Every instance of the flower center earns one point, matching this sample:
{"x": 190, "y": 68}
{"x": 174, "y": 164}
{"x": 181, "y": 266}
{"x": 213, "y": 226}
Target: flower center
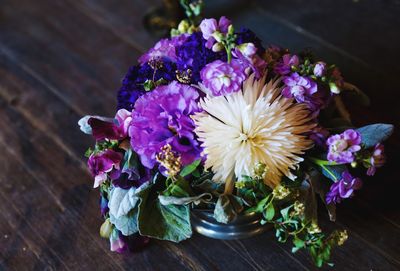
{"x": 243, "y": 137}
{"x": 340, "y": 145}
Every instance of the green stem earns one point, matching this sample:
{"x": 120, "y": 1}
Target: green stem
{"x": 321, "y": 162}
{"x": 229, "y": 54}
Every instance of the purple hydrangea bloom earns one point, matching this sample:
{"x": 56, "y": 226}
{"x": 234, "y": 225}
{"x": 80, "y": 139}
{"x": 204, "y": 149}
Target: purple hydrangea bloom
{"x": 103, "y": 163}
{"x": 342, "y": 147}
{"x": 222, "y": 78}
{"x": 164, "y": 49}
{"x": 343, "y": 188}
{"x": 209, "y": 26}
{"x": 132, "y": 84}
{"x": 163, "y": 117}
{"x": 300, "y": 87}
{"x": 319, "y": 69}
{"x": 377, "y": 159}
{"x": 284, "y": 67}
{"x": 194, "y": 55}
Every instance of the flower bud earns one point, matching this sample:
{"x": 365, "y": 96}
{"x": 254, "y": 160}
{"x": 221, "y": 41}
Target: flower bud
{"x": 183, "y": 26}
{"x": 106, "y": 229}
{"x": 231, "y": 30}
{"x": 333, "y": 87}
{"x": 218, "y": 36}
{"x": 217, "y": 47}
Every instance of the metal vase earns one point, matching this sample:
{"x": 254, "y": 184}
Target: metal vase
{"x": 244, "y": 225}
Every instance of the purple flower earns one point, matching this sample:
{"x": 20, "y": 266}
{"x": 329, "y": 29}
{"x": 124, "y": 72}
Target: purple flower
{"x": 284, "y": 67}
{"x": 377, "y": 159}
{"x": 103, "y": 205}
{"x": 342, "y": 147}
{"x": 209, "y": 26}
{"x": 245, "y": 36}
{"x": 164, "y": 49}
{"x": 133, "y": 83}
{"x": 246, "y": 54}
{"x": 117, "y": 242}
{"x": 319, "y": 136}
{"x": 194, "y": 55}
{"x": 299, "y": 87}
{"x": 222, "y": 78}
{"x": 108, "y": 129}
{"x": 343, "y": 188}
{"x": 103, "y": 163}
{"x": 319, "y": 69}
{"x": 163, "y": 117}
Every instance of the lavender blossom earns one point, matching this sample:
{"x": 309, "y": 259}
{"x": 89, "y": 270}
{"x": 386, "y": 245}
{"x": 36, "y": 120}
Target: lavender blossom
{"x": 104, "y": 163}
{"x": 377, "y": 159}
{"x": 163, "y": 117}
{"x": 319, "y": 69}
{"x": 222, "y": 78}
{"x": 284, "y": 67}
{"x": 344, "y": 188}
{"x": 246, "y": 54}
{"x": 342, "y": 147}
{"x": 300, "y": 87}
{"x": 210, "y": 26}
{"x": 165, "y": 48}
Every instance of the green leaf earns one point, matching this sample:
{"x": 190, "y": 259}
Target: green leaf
{"x": 269, "y": 212}
{"x": 333, "y": 172}
{"x": 375, "y": 133}
{"x": 321, "y": 187}
{"x": 227, "y": 208}
{"x": 127, "y": 224}
{"x": 259, "y": 208}
{"x": 190, "y": 168}
{"x": 170, "y": 222}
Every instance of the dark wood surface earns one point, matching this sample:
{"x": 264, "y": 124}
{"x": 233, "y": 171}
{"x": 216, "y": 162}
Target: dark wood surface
{"x": 63, "y": 59}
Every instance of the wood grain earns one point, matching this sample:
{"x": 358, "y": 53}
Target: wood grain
{"x": 60, "y": 60}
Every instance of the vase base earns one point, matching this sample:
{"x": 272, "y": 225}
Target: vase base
{"x": 244, "y": 226}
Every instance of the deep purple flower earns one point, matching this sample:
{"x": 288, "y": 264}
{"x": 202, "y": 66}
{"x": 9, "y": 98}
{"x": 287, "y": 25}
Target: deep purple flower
{"x": 284, "y": 67}
{"x": 222, "y": 78}
{"x": 194, "y": 55}
{"x": 209, "y": 26}
{"x": 319, "y": 136}
{"x": 300, "y": 87}
{"x": 133, "y": 83}
{"x": 319, "y": 69}
{"x": 342, "y": 147}
{"x": 246, "y": 54}
{"x": 163, "y": 117}
{"x": 246, "y": 35}
{"x": 103, "y": 163}
{"x": 377, "y": 159}
{"x": 116, "y": 129}
{"x": 164, "y": 49}
{"x": 103, "y": 205}
{"x": 343, "y": 188}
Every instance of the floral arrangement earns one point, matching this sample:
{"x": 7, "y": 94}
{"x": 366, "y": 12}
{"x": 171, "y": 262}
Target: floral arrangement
{"x": 210, "y": 119}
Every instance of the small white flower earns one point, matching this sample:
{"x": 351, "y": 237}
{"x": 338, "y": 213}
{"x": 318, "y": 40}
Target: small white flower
{"x": 255, "y": 125}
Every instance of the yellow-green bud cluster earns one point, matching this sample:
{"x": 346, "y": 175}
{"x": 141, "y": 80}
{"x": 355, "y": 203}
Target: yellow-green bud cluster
{"x": 343, "y": 236}
{"x": 169, "y": 160}
{"x": 280, "y": 192}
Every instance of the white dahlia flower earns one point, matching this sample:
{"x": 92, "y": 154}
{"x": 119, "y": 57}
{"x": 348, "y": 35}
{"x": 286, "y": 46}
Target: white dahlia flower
{"x": 254, "y": 125}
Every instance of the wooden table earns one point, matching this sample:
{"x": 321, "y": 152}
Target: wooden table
{"x": 63, "y": 59}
